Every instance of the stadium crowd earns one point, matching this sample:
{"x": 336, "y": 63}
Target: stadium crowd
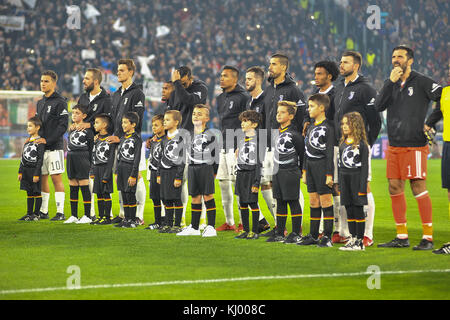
{"x": 206, "y": 35}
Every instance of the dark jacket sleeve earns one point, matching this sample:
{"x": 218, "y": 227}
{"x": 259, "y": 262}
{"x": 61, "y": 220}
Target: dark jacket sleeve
{"x": 299, "y": 145}
{"x": 138, "y": 97}
{"x": 63, "y": 123}
{"x": 384, "y": 98}
{"x": 299, "y": 98}
{"x": 435, "y": 116}
{"x": 432, "y": 89}
{"x": 137, "y": 158}
{"x": 90, "y": 143}
{"x": 190, "y": 99}
{"x": 373, "y": 117}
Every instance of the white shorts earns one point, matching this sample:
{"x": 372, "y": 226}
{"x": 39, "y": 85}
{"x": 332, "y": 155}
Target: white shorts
{"x": 227, "y": 166}
{"x": 53, "y": 162}
{"x": 336, "y": 160}
{"x": 267, "y": 167}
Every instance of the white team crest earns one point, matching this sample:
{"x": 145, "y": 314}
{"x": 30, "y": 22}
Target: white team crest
{"x": 231, "y": 104}
{"x": 95, "y": 107}
{"x": 281, "y": 97}
{"x": 49, "y": 108}
{"x": 125, "y": 101}
{"x": 199, "y": 94}
{"x": 352, "y": 93}
{"x": 410, "y": 91}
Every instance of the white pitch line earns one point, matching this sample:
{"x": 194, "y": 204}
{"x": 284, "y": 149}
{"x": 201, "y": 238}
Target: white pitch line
{"x": 203, "y": 281}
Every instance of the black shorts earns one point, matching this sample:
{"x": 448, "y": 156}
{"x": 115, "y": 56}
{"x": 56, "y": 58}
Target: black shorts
{"x": 78, "y": 165}
{"x": 27, "y": 183}
{"x": 445, "y": 166}
{"x": 201, "y": 180}
{"x": 99, "y": 186}
{"x": 167, "y": 189}
{"x": 123, "y": 174}
{"x": 243, "y": 187}
{"x": 154, "y": 187}
{"x": 286, "y": 184}
{"x": 349, "y": 186}
{"x": 316, "y": 177}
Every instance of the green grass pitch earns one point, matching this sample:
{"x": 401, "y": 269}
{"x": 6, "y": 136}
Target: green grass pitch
{"x": 36, "y": 255}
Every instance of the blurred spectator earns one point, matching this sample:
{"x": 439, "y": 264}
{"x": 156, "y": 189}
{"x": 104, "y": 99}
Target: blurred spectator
{"x": 206, "y": 35}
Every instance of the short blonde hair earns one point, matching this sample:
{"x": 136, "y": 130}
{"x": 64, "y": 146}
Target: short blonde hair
{"x": 290, "y": 105}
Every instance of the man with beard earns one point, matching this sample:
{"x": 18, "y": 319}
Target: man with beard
{"x": 354, "y": 93}
{"x": 406, "y": 96}
{"x": 95, "y": 98}
{"x": 254, "y": 78}
{"x": 129, "y": 98}
{"x": 96, "y": 101}
{"x": 282, "y": 87}
{"x": 187, "y": 93}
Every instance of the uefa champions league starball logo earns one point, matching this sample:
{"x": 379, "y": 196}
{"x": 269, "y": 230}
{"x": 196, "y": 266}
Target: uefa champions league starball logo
{"x": 247, "y": 154}
{"x": 102, "y": 150}
{"x": 171, "y": 150}
{"x": 284, "y": 143}
{"x": 127, "y": 150}
{"x": 78, "y": 138}
{"x": 156, "y": 154}
{"x": 198, "y": 143}
{"x": 351, "y": 157}
{"x": 30, "y": 152}
{"x": 317, "y": 138}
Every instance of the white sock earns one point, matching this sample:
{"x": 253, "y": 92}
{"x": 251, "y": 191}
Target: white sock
{"x": 203, "y": 214}
{"x": 59, "y": 200}
{"x": 321, "y": 222}
{"x": 271, "y": 203}
{"x": 302, "y": 202}
{"x": 336, "y": 212}
{"x": 163, "y": 210}
{"x": 227, "y": 200}
{"x": 343, "y": 231}
{"x": 91, "y": 188}
{"x": 44, "y": 205}
{"x": 184, "y": 198}
{"x": 121, "y": 212}
{"x": 141, "y": 195}
{"x": 237, "y": 201}
{"x": 370, "y": 215}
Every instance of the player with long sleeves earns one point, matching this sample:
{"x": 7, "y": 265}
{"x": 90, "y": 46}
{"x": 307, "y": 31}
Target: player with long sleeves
{"x": 406, "y": 96}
